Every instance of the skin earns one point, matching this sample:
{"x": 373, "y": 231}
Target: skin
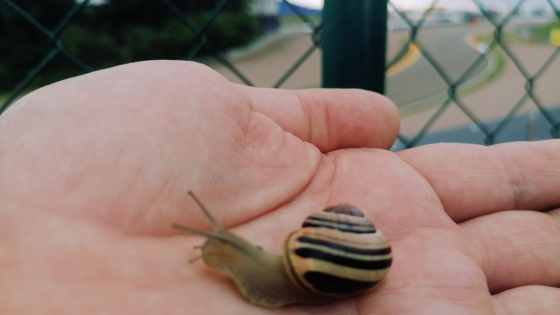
{"x": 95, "y": 169}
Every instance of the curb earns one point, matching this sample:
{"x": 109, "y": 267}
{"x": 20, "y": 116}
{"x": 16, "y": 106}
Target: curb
{"x": 470, "y": 86}
{"x": 407, "y": 61}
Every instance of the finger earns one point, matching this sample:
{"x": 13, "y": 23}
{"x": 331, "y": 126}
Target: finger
{"x": 474, "y": 180}
{"x": 539, "y": 300}
{"x": 330, "y": 119}
{"x": 516, "y": 248}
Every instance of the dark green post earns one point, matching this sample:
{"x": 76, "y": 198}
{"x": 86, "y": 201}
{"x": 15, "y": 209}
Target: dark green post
{"x": 354, "y": 42}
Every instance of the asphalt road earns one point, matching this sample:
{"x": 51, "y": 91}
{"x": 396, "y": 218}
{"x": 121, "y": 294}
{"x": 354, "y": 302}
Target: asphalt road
{"x": 447, "y": 46}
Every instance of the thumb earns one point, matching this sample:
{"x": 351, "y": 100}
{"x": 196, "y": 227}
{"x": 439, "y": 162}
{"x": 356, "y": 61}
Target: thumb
{"x": 330, "y": 119}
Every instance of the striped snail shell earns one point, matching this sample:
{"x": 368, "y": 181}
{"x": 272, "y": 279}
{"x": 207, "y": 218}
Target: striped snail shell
{"x": 337, "y": 253}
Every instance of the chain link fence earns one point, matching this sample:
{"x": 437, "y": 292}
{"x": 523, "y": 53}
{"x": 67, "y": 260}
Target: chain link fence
{"x": 499, "y": 38}
{"x": 482, "y": 66}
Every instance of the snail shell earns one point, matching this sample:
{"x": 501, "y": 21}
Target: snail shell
{"x": 337, "y": 253}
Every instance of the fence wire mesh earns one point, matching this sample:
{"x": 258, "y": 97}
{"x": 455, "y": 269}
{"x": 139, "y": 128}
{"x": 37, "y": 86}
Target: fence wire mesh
{"x": 500, "y": 46}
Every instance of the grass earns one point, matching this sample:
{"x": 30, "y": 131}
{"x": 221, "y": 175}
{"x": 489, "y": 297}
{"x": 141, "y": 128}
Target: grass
{"x": 294, "y": 20}
{"x": 537, "y": 35}
{"x": 3, "y": 97}
{"x": 500, "y": 58}
{"x": 541, "y": 33}
{"x": 500, "y": 61}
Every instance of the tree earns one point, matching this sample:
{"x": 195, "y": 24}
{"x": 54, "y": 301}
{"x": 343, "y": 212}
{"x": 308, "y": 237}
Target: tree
{"x": 115, "y": 32}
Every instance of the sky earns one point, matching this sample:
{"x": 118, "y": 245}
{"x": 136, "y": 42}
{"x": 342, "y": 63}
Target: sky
{"x": 449, "y": 4}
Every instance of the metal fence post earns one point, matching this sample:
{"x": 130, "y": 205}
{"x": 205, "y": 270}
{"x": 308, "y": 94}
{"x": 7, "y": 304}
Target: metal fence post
{"x": 354, "y": 42}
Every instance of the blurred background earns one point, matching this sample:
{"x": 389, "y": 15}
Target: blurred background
{"x": 476, "y": 71}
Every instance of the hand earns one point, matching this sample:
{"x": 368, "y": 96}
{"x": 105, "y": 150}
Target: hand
{"x": 94, "y": 170}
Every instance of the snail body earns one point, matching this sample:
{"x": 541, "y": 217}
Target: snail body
{"x": 337, "y": 253}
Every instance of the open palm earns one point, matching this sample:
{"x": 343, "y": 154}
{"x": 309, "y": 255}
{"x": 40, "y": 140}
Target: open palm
{"x": 94, "y": 171}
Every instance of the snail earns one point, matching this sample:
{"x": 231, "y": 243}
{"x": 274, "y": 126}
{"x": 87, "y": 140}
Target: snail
{"x": 337, "y": 253}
